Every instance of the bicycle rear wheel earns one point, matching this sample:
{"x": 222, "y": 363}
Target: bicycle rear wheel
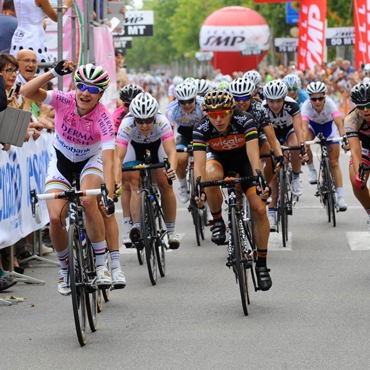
{"x": 148, "y": 236}
{"x": 160, "y": 247}
{"x": 331, "y": 192}
{"x": 240, "y": 262}
{"x": 284, "y": 200}
{"x": 194, "y": 210}
{"x": 76, "y": 281}
{"x": 91, "y": 292}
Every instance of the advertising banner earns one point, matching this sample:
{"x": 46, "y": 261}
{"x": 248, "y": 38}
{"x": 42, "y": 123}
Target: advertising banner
{"x": 340, "y": 36}
{"x": 312, "y": 17}
{"x": 362, "y": 30}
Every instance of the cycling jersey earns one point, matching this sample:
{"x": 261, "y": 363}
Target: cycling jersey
{"x": 301, "y": 97}
{"x": 356, "y": 126}
{"x": 79, "y": 138}
{"x": 184, "y": 121}
{"x": 327, "y": 114}
{"x": 242, "y": 129}
{"x": 129, "y": 132}
{"x": 260, "y": 115}
{"x": 118, "y": 115}
{"x": 171, "y": 90}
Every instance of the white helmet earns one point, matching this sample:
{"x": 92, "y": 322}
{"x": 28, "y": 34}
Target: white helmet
{"x": 316, "y": 88}
{"x": 203, "y": 86}
{"x": 185, "y": 91}
{"x": 275, "y": 89}
{"x": 292, "y": 80}
{"x": 190, "y": 80}
{"x": 144, "y": 106}
{"x": 177, "y": 80}
{"x": 254, "y": 76}
{"x": 241, "y": 87}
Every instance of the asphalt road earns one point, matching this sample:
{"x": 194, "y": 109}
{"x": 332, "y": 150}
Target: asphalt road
{"x": 316, "y": 315}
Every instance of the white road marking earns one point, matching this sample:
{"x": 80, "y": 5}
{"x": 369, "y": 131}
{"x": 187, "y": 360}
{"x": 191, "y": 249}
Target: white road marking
{"x": 276, "y": 243}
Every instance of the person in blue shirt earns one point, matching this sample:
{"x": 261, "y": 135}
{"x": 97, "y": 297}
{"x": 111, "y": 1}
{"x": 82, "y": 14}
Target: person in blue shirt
{"x": 8, "y": 25}
{"x": 294, "y": 89}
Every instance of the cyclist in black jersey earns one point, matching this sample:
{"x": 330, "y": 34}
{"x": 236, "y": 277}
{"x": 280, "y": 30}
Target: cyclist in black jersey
{"x": 227, "y": 140}
{"x": 242, "y": 91}
{"x": 357, "y": 128}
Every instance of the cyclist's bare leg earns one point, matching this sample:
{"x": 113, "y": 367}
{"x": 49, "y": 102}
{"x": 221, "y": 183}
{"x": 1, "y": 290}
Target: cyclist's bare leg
{"x": 168, "y": 198}
{"x": 214, "y": 171}
{"x": 362, "y": 195}
{"x": 308, "y": 137}
{"x": 126, "y": 196}
{"x": 273, "y": 184}
{"x": 182, "y": 162}
{"x": 296, "y": 161}
{"x": 135, "y": 204}
{"x": 333, "y": 151}
{"x": 58, "y": 234}
{"x": 265, "y": 149}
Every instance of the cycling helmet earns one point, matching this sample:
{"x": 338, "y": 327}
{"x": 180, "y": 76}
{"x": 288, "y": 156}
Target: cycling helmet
{"x": 292, "y": 81}
{"x": 190, "y": 80}
{"x": 223, "y": 85}
{"x": 94, "y": 75}
{"x": 316, "y": 88}
{"x": 177, "y": 80}
{"x": 144, "y": 106}
{"x": 360, "y": 94}
{"x": 202, "y": 86}
{"x": 185, "y": 91}
{"x": 218, "y": 100}
{"x": 128, "y": 92}
{"x": 254, "y": 76}
{"x": 241, "y": 87}
{"x": 275, "y": 89}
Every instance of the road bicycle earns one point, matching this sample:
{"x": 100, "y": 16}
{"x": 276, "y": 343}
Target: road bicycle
{"x": 242, "y": 251}
{"x": 153, "y": 229}
{"x": 81, "y": 261}
{"x": 326, "y": 189}
{"x": 198, "y": 215}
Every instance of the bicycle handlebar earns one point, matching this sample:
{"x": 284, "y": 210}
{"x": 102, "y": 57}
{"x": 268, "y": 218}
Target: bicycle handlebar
{"x": 188, "y": 149}
{"x": 361, "y": 170}
{"x": 319, "y": 140}
{"x": 272, "y": 156}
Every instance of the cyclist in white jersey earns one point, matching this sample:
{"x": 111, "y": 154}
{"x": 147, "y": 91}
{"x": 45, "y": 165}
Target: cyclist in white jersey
{"x": 84, "y": 144}
{"x": 183, "y": 113}
{"x": 320, "y": 114}
{"x": 145, "y": 129}
{"x": 286, "y": 118}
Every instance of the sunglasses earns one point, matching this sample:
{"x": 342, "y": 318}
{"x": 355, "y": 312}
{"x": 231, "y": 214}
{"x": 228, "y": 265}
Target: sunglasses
{"x": 10, "y": 71}
{"x": 241, "y": 98}
{"x": 318, "y": 99}
{"x": 293, "y": 88}
{"x": 221, "y": 114}
{"x": 126, "y": 104}
{"x": 92, "y": 89}
{"x": 363, "y": 106}
{"x": 144, "y": 121}
{"x": 184, "y": 102}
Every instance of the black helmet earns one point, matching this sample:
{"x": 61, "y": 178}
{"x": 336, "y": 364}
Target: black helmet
{"x": 360, "y": 94}
{"x": 218, "y": 100}
{"x": 129, "y": 92}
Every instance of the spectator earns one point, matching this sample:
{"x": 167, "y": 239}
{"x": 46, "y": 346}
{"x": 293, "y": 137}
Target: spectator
{"x": 9, "y": 68}
{"x": 347, "y": 68}
{"x": 30, "y": 32}
{"x": 8, "y": 25}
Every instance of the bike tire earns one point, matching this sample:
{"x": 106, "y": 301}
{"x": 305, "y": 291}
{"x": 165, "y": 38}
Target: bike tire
{"x": 283, "y": 195}
{"x": 194, "y": 210}
{"x": 140, "y": 256}
{"x": 100, "y": 301}
{"x": 331, "y": 192}
{"x": 239, "y": 260}
{"x": 160, "y": 246}
{"x": 106, "y": 292}
{"x": 147, "y": 230}
{"x": 76, "y": 280}
{"x": 91, "y": 292}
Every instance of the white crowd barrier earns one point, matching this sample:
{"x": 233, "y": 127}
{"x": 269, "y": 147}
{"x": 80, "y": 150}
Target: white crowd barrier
{"x": 22, "y": 169}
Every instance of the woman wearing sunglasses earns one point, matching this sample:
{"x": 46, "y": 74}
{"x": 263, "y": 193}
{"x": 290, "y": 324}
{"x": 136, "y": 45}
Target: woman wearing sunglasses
{"x": 356, "y": 126}
{"x": 242, "y": 91}
{"x": 143, "y": 130}
{"x": 225, "y": 140}
{"x": 183, "y": 113}
{"x": 84, "y": 143}
{"x": 295, "y": 92}
{"x": 320, "y": 114}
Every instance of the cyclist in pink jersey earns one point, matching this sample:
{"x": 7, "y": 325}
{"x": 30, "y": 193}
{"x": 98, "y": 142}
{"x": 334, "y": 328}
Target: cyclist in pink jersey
{"x": 84, "y": 144}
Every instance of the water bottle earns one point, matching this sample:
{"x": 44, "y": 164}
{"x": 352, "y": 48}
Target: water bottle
{"x": 153, "y": 200}
{"x": 83, "y": 238}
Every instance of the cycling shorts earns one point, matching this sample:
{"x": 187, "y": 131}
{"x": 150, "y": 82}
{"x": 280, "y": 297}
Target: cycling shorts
{"x": 61, "y": 170}
{"x": 182, "y": 141}
{"x": 329, "y": 129}
{"x": 283, "y": 134}
{"x": 136, "y": 152}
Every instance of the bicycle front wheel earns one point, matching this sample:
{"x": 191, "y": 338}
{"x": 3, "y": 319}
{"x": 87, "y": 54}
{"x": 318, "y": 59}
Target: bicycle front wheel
{"x": 195, "y": 212}
{"x": 76, "y": 281}
{"x": 148, "y": 236}
{"x": 91, "y": 291}
{"x": 160, "y": 247}
{"x": 284, "y": 200}
{"x": 329, "y": 179}
{"x": 240, "y": 261}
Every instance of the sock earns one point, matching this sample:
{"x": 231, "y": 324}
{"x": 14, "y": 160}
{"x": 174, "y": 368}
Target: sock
{"x": 137, "y": 224}
{"x": 340, "y": 192}
{"x": 311, "y": 167}
{"x": 127, "y": 223}
{"x": 262, "y": 257}
{"x": 366, "y": 210}
{"x": 114, "y": 257}
{"x": 217, "y": 216}
{"x": 272, "y": 211}
{"x": 62, "y": 256}
{"x": 183, "y": 182}
{"x": 99, "y": 250}
{"x": 170, "y": 226}
{"x": 295, "y": 175}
